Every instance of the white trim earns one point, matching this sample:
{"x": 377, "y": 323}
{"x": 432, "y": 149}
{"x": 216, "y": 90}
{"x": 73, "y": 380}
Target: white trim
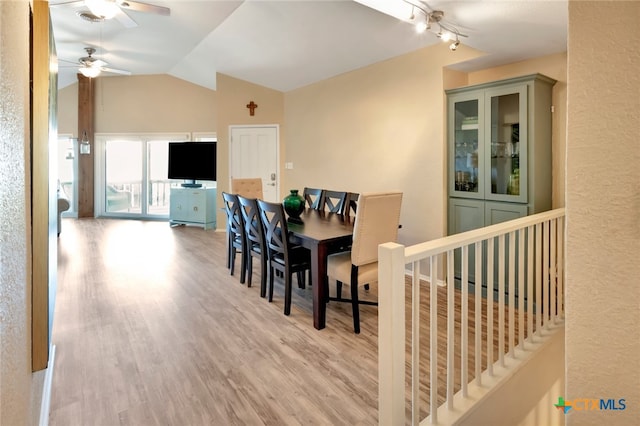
{"x": 100, "y": 140}
{"x": 201, "y": 136}
{"x": 45, "y": 405}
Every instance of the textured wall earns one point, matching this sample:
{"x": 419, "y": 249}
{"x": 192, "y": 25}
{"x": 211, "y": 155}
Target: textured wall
{"x": 603, "y": 210}
{"x": 15, "y": 306}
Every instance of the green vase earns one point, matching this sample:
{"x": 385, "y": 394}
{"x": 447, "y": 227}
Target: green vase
{"x": 294, "y": 205}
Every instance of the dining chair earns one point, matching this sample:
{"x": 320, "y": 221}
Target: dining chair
{"x": 254, "y": 234}
{"x": 312, "y": 197}
{"x": 247, "y": 187}
{"x": 283, "y": 256}
{"x": 376, "y": 222}
{"x": 236, "y": 241}
{"x": 351, "y": 204}
{"x": 333, "y": 201}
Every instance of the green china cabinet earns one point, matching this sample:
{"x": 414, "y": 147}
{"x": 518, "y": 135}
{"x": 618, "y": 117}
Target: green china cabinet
{"x": 499, "y": 153}
{"x": 499, "y": 150}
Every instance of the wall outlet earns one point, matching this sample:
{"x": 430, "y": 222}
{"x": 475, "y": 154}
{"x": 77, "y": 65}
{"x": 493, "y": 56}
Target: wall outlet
{"x": 288, "y": 165}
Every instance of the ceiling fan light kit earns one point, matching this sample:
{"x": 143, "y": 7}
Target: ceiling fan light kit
{"x": 105, "y": 9}
{"x": 89, "y": 71}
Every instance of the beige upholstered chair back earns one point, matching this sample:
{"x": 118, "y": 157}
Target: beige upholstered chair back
{"x": 377, "y": 220}
{"x": 247, "y": 187}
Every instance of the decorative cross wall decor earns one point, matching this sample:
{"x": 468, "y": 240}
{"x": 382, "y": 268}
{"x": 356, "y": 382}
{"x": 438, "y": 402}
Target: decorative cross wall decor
{"x": 252, "y": 107}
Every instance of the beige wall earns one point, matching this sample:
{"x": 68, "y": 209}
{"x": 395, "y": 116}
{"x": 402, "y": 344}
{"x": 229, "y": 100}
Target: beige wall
{"x": 142, "y": 104}
{"x": 17, "y": 388}
{"x": 383, "y": 127}
{"x": 390, "y": 114}
{"x": 603, "y": 209}
{"x": 233, "y": 97}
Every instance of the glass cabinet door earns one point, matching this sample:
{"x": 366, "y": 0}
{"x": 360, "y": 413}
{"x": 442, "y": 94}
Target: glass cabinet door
{"x": 466, "y": 144}
{"x": 505, "y": 161}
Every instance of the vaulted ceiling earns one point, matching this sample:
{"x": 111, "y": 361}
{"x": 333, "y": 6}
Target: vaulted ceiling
{"x": 284, "y": 45}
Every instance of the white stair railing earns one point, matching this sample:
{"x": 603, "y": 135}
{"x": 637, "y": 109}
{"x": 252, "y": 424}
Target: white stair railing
{"x": 520, "y": 263}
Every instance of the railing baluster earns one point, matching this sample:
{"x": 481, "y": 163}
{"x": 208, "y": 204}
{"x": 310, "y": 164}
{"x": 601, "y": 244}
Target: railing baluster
{"x": 433, "y": 333}
{"x": 501, "y": 299}
{"x": 530, "y": 283}
{"x": 415, "y": 345}
{"x": 451, "y": 337}
{"x": 521, "y": 287}
{"x": 552, "y": 269}
{"x": 464, "y": 326}
{"x": 545, "y": 275}
{"x": 560, "y": 266}
{"x": 489, "y": 266}
{"x": 478, "y": 319}
{"x": 512, "y": 291}
{"x": 538, "y": 266}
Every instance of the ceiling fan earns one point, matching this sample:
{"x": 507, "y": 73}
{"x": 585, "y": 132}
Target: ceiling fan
{"x": 92, "y": 67}
{"x": 108, "y": 9}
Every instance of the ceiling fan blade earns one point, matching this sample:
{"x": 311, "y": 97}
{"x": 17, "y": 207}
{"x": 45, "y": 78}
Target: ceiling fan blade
{"x": 98, "y": 63}
{"x": 75, "y": 63}
{"x": 115, "y": 71}
{"x": 145, "y": 7}
{"x": 125, "y": 19}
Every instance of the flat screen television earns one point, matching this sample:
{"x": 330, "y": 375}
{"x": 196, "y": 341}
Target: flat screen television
{"x": 192, "y": 161}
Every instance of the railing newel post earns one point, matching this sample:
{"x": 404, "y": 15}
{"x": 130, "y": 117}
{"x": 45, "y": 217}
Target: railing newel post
{"x": 391, "y": 334}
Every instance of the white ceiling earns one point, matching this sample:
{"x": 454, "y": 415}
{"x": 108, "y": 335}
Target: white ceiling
{"x": 284, "y": 45}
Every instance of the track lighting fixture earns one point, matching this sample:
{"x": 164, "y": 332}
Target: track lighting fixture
{"x": 424, "y": 17}
{"x": 421, "y": 15}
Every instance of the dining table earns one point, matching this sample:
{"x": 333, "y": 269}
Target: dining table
{"x": 322, "y": 233}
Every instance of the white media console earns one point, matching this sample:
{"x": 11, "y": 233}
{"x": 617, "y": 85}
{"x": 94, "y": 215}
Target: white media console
{"x": 193, "y": 206}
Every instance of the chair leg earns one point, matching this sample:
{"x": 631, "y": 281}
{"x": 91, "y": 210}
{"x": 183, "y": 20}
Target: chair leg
{"x": 232, "y": 260}
{"x": 249, "y": 269}
{"x": 287, "y": 293}
{"x": 271, "y": 275}
{"x": 229, "y": 248}
{"x": 263, "y": 276}
{"x": 339, "y": 290}
{"x": 354, "y": 299}
{"x": 243, "y": 265}
{"x": 300, "y": 275}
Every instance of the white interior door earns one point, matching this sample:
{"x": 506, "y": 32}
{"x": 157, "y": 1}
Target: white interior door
{"x": 254, "y": 153}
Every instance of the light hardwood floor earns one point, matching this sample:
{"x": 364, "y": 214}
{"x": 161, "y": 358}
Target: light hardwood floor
{"x": 150, "y": 329}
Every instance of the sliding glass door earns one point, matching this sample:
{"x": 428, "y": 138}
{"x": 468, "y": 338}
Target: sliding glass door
{"x": 134, "y": 176}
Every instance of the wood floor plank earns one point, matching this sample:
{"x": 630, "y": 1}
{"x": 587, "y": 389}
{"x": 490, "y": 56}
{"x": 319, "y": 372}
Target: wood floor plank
{"x": 150, "y": 329}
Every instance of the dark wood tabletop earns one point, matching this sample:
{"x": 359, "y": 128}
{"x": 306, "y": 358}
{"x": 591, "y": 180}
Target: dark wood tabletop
{"x": 322, "y": 233}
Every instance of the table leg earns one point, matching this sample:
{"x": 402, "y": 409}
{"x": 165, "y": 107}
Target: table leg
{"x": 319, "y": 272}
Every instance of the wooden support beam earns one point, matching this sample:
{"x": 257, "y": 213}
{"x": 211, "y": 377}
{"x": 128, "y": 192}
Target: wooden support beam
{"x": 86, "y": 171}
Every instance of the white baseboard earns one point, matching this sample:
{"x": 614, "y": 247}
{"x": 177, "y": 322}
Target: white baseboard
{"x": 46, "y": 389}
{"x": 409, "y": 273}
